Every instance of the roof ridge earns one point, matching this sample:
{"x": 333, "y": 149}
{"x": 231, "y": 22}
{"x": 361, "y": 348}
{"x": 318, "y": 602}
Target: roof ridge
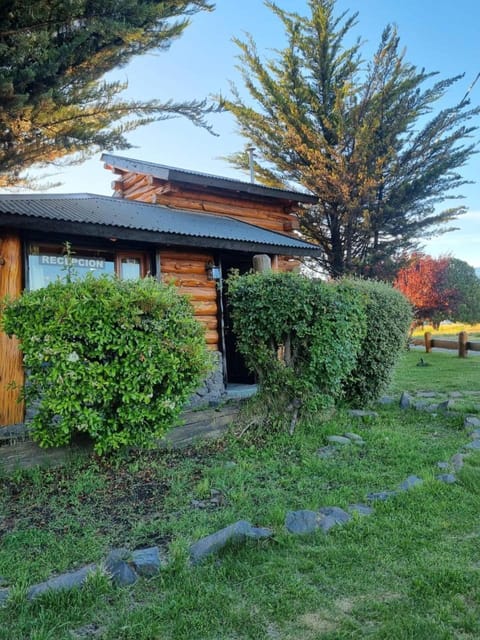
{"x": 163, "y": 172}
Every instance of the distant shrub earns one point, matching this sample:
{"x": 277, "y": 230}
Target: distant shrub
{"x": 389, "y": 316}
{"x": 300, "y": 336}
{"x": 110, "y": 358}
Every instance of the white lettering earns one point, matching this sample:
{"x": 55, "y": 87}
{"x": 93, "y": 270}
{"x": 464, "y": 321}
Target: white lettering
{"x": 82, "y": 263}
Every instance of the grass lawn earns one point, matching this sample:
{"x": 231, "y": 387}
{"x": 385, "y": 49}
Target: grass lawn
{"x": 445, "y": 371}
{"x": 410, "y": 571}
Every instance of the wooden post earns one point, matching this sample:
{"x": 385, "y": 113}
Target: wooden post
{"x": 262, "y": 263}
{"x": 462, "y": 344}
{"x": 11, "y": 367}
{"x": 428, "y": 341}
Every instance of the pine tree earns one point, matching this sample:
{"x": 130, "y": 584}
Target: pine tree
{"x": 53, "y": 56}
{"x": 364, "y": 138}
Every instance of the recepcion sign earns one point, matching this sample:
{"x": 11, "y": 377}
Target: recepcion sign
{"x": 61, "y": 261}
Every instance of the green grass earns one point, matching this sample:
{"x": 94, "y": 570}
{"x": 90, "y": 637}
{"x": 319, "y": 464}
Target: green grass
{"x": 412, "y": 570}
{"x": 445, "y": 372}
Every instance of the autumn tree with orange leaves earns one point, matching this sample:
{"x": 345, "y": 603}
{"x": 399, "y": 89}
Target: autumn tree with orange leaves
{"x": 439, "y": 289}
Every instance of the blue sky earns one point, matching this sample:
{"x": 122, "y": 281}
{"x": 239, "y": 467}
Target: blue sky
{"x": 439, "y": 35}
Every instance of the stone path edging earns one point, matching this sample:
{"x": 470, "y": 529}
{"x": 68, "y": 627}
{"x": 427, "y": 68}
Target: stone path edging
{"x": 124, "y": 567}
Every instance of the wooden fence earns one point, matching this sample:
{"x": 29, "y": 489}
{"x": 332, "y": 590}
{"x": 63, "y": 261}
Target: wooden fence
{"x": 462, "y": 344}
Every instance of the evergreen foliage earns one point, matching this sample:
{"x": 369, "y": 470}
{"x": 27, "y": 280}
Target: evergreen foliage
{"x": 110, "y": 358}
{"x": 389, "y": 316}
{"x": 462, "y": 281}
{"x": 300, "y": 336}
{"x": 369, "y": 139}
{"x": 53, "y": 56}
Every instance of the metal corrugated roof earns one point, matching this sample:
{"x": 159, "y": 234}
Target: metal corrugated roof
{"x": 163, "y": 223}
{"x": 174, "y": 174}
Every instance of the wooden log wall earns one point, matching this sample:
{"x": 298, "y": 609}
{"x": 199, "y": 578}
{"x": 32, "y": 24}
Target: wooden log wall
{"x": 272, "y": 214}
{"x": 11, "y": 369}
{"x": 188, "y": 271}
{"x": 286, "y": 263}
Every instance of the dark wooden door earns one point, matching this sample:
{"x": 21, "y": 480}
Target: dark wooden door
{"x": 236, "y": 369}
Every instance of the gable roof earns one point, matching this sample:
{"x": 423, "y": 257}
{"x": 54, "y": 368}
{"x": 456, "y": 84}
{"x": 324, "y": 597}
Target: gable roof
{"x": 206, "y": 180}
{"x": 104, "y": 216}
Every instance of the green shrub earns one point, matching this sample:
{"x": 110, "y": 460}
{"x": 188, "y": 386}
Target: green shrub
{"x": 300, "y": 336}
{"x": 389, "y": 316}
{"x": 110, "y": 358}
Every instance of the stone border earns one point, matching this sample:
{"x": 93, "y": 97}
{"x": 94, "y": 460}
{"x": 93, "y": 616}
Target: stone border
{"x": 124, "y": 567}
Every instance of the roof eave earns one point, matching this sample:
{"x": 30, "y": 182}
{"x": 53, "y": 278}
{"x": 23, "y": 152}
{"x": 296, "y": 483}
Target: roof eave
{"x": 48, "y": 225}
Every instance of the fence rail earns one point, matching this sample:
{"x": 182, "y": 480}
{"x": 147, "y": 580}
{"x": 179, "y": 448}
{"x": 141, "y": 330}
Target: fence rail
{"x": 462, "y": 344}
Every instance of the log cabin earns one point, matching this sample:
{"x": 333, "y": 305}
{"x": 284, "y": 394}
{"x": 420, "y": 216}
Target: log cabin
{"x": 187, "y": 227}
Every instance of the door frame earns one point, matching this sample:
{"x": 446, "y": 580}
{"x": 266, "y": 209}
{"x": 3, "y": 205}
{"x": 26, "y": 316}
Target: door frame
{"x": 234, "y": 368}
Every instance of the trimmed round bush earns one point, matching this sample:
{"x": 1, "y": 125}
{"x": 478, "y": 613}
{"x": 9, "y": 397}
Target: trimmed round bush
{"x": 389, "y": 316}
{"x": 300, "y": 336}
{"x": 110, "y": 358}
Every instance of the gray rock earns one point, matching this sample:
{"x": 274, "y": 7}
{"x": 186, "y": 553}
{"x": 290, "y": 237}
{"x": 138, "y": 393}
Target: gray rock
{"x": 406, "y": 400}
{"x": 475, "y": 434}
{"x": 362, "y": 413}
{"x": 386, "y": 400}
{"x": 326, "y": 452}
{"x": 4, "y": 595}
{"x": 448, "y": 478}
{"x": 410, "y": 482}
{"x": 381, "y": 496}
{"x": 426, "y": 394}
{"x": 326, "y": 523}
{"x": 475, "y": 444}
{"x": 147, "y": 562}
{"x": 63, "y": 582}
{"x": 14, "y": 432}
{"x": 431, "y": 408}
{"x": 339, "y": 515}
{"x": 443, "y": 465}
{"x": 446, "y": 405}
{"x": 355, "y": 438}
{"x": 422, "y": 405}
{"x": 198, "y": 504}
{"x": 361, "y": 509}
{"x": 457, "y": 461}
{"x": 118, "y": 568}
{"x": 237, "y": 532}
{"x": 303, "y": 521}
{"x": 456, "y": 394}
{"x": 339, "y": 440}
{"x": 471, "y": 422}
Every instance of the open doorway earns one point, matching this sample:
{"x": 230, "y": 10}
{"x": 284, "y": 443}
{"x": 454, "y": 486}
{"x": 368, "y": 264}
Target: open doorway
{"x": 236, "y": 371}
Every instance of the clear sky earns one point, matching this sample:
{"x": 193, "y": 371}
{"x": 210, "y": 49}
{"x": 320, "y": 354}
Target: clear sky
{"x": 439, "y": 35}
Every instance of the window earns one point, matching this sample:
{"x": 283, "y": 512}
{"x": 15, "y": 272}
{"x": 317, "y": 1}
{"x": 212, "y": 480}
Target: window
{"x": 46, "y": 263}
{"x": 131, "y": 265}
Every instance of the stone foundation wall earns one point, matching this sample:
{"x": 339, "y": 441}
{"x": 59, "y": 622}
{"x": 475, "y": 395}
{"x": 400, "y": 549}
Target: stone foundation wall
{"x": 209, "y": 393}
{"x": 212, "y": 390}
